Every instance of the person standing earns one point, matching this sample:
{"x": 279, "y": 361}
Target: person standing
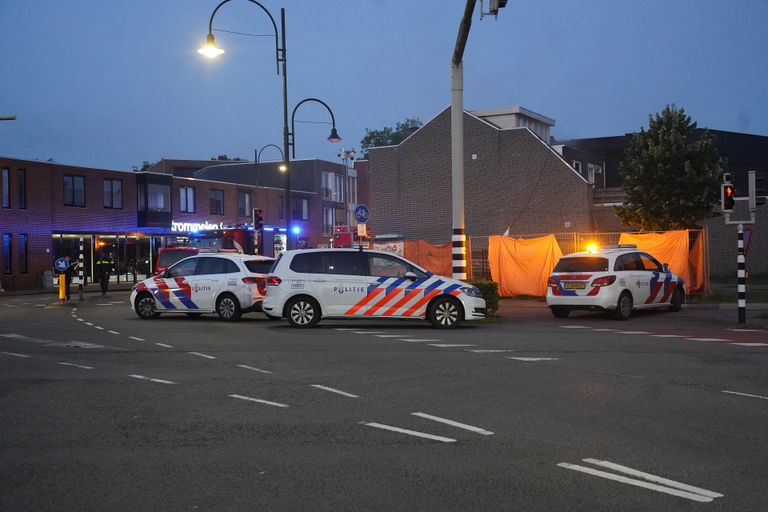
{"x": 104, "y": 268}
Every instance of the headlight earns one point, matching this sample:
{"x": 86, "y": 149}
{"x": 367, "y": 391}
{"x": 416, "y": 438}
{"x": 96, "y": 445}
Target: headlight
{"x": 471, "y": 291}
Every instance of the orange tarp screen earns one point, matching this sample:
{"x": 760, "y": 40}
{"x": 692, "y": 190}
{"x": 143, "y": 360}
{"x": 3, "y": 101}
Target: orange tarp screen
{"x": 522, "y": 267}
{"x": 672, "y": 247}
{"x": 435, "y": 258}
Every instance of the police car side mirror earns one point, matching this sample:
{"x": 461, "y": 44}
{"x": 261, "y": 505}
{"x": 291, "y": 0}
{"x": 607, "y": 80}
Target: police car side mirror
{"x": 411, "y": 276}
{"x": 166, "y": 274}
{"x": 665, "y": 267}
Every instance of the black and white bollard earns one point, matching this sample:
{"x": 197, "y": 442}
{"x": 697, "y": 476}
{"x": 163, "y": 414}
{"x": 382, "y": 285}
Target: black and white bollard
{"x": 81, "y": 264}
{"x": 742, "y": 275}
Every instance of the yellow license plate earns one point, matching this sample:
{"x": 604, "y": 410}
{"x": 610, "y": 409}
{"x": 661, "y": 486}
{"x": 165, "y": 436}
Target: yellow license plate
{"x": 573, "y": 285}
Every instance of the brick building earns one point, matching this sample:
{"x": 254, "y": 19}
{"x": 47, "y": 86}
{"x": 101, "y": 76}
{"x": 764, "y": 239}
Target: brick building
{"x": 46, "y": 208}
{"x": 513, "y": 180}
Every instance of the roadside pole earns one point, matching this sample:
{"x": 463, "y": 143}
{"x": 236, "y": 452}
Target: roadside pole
{"x": 80, "y": 273}
{"x": 742, "y": 275}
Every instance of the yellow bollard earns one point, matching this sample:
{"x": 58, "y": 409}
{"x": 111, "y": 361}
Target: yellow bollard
{"x": 62, "y": 287}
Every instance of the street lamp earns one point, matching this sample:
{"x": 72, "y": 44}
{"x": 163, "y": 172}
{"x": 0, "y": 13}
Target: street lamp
{"x": 333, "y": 137}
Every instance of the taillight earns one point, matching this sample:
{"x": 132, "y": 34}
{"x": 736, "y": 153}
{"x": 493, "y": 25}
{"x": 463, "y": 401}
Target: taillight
{"x": 252, "y": 280}
{"x": 274, "y": 281}
{"x": 552, "y": 282}
{"x": 604, "y": 281}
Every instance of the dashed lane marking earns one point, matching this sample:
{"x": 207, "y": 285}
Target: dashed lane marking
{"x": 99, "y": 328}
{"x": 15, "y": 354}
{"x": 667, "y": 336}
{"x": 254, "y": 369}
{"x": 333, "y": 390}
{"x": 706, "y": 339}
{"x": 164, "y": 345}
{"x": 452, "y": 423}
{"x": 751, "y": 344}
{"x": 449, "y": 345}
{"x": 65, "y": 363}
{"x": 417, "y": 340}
{"x": 574, "y": 327}
{"x": 113, "y": 332}
{"x": 534, "y": 359}
{"x": 415, "y": 433}
{"x": 158, "y": 381}
{"x": 490, "y": 350}
{"x": 368, "y": 332}
{"x": 137, "y": 339}
{"x": 632, "y": 332}
{"x": 200, "y": 354}
{"x": 259, "y": 400}
{"x": 746, "y": 394}
{"x": 390, "y": 335}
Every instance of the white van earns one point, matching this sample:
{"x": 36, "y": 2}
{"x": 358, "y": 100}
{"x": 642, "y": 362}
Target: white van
{"x": 304, "y": 286}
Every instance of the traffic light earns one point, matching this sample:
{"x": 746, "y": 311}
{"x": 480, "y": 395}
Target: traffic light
{"x": 258, "y": 219}
{"x": 727, "y": 197}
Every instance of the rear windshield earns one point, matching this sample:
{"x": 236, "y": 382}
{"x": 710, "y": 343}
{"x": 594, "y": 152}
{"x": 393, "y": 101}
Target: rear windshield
{"x": 582, "y": 264}
{"x": 168, "y": 258}
{"x": 274, "y": 264}
{"x": 259, "y": 266}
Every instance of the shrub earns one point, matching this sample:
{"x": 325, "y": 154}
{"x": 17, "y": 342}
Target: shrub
{"x": 490, "y": 292}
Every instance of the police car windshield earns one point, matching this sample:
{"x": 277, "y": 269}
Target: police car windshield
{"x": 168, "y": 258}
{"x": 259, "y": 266}
{"x": 582, "y": 264}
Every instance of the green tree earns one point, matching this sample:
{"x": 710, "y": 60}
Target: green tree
{"x": 670, "y": 174}
{"x": 389, "y": 136}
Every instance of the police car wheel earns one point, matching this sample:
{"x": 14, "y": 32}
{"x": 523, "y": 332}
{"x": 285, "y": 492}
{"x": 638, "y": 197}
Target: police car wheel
{"x": 623, "y": 307}
{"x": 303, "y": 312}
{"x": 677, "y": 300}
{"x": 444, "y": 313}
{"x": 145, "y": 307}
{"x": 228, "y": 308}
{"x": 560, "y": 311}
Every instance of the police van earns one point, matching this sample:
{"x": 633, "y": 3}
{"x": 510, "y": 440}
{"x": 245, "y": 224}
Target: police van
{"x": 306, "y": 285}
{"x": 227, "y": 284}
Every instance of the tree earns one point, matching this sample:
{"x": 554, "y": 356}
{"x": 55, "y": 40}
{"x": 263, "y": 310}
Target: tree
{"x": 670, "y": 174}
{"x": 389, "y": 136}
{"x": 225, "y": 158}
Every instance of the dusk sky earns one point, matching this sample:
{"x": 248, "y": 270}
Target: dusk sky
{"x": 112, "y": 83}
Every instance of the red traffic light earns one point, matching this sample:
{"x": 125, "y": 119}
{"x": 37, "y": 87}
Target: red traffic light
{"x": 727, "y": 197}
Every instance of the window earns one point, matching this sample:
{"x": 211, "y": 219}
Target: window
{"x": 341, "y": 262}
{"x": 158, "y": 197}
{"x": 390, "y": 266}
{"x": 577, "y": 165}
{"x": 184, "y": 268}
{"x": 326, "y": 185}
{"x": 74, "y": 190}
{"x": 627, "y": 262}
{"x": 259, "y": 266}
{"x": 329, "y": 220}
{"x": 338, "y": 187}
{"x": 7, "y": 253}
{"x": 6, "y": 186}
{"x": 187, "y": 199}
{"x": 300, "y": 209}
{"x": 281, "y": 209}
{"x": 582, "y": 264}
{"x": 650, "y": 263}
{"x": 23, "y": 254}
{"x": 21, "y": 177}
{"x": 591, "y": 173}
{"x": 352, "y": 188}
{"x": 210, "y": 266}
{"x": 217, "y": 202}
{"x": 333, "y": 186}
{"x": 113, "y": 193}
{"x": 244, "y": 204}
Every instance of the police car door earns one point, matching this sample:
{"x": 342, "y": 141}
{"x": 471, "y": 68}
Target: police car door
{"x": 658, "y": 280}
{"x": 639, "y": 280}
{"x": 173, "y": 286}
{"x": 341, "y": 281}
{"x": 394, "y": 287}
{"x": 209, "y": 280}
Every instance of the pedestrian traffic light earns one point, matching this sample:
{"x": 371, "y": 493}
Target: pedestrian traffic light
{"x": 258, "y": 220}
{"x": 727, "y": 197}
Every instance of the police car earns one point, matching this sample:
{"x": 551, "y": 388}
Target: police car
{"x": 227, "y": 284}
{"x": 618, "y": 280}
{"x": 307, "y": 285}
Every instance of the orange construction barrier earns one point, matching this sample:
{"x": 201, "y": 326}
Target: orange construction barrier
{"x": 673, "y": 248}
{"x": 522, "y": 266}
{"x": 435, "y": 258}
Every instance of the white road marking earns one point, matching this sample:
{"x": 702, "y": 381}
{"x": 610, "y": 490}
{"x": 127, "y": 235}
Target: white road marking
{"x": 412, "y": 340}
{"x": 159, "y": 381}
{"x": 409, "y": 432}
{"x": 89, "y": 323}
{"x": 368, "y": 332}
{"x": 452, "y": 423}
{"x": 14, "y": 354}
{"x": 653, "y": 478}
{"x": 80, "y": 320}
{"x": 259, "y": 400}
{"x": 637, "y": 483}
{"x": 108, "y": 304}
{"x": 40, "y": 305}
{"x": 163, "y": 345}
{"x": 344, "y": 329}
{"x": 390, "y": 335}
{"x": 113, "y": 332}
{"x": 746, "y": 394}
{"x": 745, "y": 330}
{"x": 489, "y": 351}
{"x": 667, "y": 336}
{"x": 632, "y": 332}
{"x": 574, "y": 327}
{"x": 200, "y": 354}
{"x": 332, "y": 390}
{"x": 706, "y": 339}
{"x": 99, "y": 328}
{"x": 137, "y": 339}
{"x": 751, "y": 344}
{"x": 604, "y": 330}
{"x": 449, "y": 345}
{"x": 532, "y": 359}
{"x": 76, "y": 365}
{"x": 253, "y": 369}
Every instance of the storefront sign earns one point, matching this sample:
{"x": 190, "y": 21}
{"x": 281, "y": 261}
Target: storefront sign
{"x": 194, "y": 226}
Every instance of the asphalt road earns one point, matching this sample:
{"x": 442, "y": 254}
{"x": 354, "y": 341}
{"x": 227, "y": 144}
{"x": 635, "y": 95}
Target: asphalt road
{"x": 103, "y": 411}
